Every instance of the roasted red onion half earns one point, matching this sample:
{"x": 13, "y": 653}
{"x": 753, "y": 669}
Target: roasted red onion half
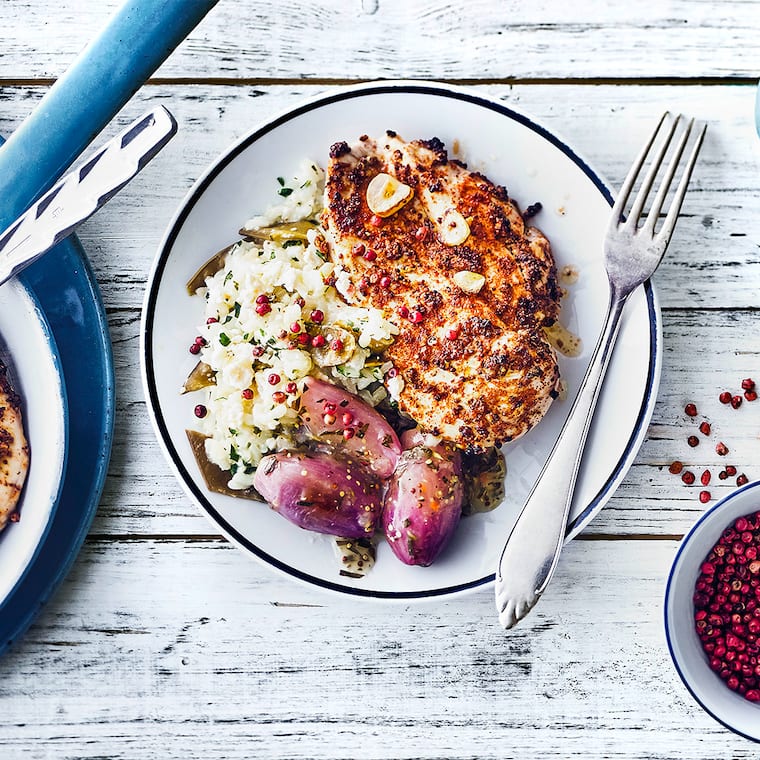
{"x": 423, "y": 503}
{"x": 350, "y": 426}
{"x": 322, "y": 492}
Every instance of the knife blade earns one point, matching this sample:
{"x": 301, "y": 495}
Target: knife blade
{"x": 81, "y": 192}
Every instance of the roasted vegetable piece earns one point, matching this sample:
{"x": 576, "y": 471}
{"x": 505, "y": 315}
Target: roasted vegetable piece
{"x": 350, "y": 425}
{"x": 424, "y": 501}
{"x": 321, "y": 492}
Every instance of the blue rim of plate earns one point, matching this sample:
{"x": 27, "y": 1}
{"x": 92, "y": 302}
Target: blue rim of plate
{"x": 64, "y": 287}
{"x": 189, "y": 202}
{"x": 666, "y": 618}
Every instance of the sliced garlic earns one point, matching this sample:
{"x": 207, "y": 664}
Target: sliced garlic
{"x": 469, "y": 282}
{"x": 454, "y": 228}
{"x": 386, "y": 195}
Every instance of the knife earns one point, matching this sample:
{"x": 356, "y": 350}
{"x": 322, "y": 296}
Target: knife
{"x": 80, "y": 193}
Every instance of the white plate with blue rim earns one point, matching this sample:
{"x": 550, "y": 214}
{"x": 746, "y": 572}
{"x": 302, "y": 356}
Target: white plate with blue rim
{"x": 513, "y": 150}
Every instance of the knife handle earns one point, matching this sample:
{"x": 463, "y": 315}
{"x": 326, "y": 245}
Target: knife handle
{"x": 134, "y": 43}
{"x": 83, "y": 191}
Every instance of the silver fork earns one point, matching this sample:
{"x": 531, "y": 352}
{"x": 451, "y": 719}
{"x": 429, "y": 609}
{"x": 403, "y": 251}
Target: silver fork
{"x": 631, "y": 255}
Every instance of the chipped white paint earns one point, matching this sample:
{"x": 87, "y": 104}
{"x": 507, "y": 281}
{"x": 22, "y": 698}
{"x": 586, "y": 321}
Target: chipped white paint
{"x": 167, "y": 642}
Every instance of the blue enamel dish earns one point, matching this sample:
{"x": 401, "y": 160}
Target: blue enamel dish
{"x": 67, "y": 296}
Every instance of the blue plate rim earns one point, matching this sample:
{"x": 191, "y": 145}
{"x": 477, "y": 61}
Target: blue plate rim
{"x": 66, "y": 291}
{"x": 405, "y": 86}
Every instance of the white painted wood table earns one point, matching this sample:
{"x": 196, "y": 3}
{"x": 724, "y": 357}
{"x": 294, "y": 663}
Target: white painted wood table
{"x": 167, "y": 642}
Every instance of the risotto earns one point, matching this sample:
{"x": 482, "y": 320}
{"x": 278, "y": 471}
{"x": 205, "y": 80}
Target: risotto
{"x": 274, "y": 316}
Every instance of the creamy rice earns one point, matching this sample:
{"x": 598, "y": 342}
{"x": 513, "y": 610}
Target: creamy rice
{"x": 260, "y": 359}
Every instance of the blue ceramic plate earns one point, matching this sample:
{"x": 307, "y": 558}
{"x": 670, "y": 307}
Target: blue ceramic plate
{"x": 68, "y": 297}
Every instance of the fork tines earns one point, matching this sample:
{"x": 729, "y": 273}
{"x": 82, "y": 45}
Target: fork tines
{"x": 668, "y": 127}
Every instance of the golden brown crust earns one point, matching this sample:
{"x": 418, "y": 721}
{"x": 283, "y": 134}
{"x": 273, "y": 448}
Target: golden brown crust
{"x": 477, "y": 366}
{"x": 14, "y": 451}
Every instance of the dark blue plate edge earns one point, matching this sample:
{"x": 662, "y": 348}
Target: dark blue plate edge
{"x": 666, "y": 619}
{"x": 67, "y": 293}
{"x": 189, "y": 202}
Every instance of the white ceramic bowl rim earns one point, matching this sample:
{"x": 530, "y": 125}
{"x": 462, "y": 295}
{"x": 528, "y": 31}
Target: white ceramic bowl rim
{"x": 669, "y": 624}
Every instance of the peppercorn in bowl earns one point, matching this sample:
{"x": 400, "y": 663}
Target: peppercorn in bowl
{"x": 712, "y": 611}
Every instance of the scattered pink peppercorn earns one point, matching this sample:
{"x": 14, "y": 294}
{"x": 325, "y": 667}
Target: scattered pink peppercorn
{"x": 704, "y": 496}
{"x": 730, "y": 470}
{"x": 291, "y": 387}
{"x": 370, "y": 255}
{"x": 421, "y": 233}
{"x": 403, "y": 311}
{"x": 742, "y": 480}
{"x": 453, "y": 333}
{"x": 725, "y": 397}
{"x": 347, "y": 418}
{"x": 273, "y": 378}
{"x": 688, "y": 477}
{"x": 721, "y": 449}
{"x": 262, "y": 298}
{"x": 300, "y": 301}
{"x": 247, "y": 393}
{"x": 212, "y": 320}
{"x": 263, "y": 308}
{"x": 317, "y": 316}
{"x": 358, "y": 249}
{"x": 691, "y": 410}
{"x": 693, "y": 441}
{"x": 704, "y": 428}
{"x": 337, "y": 345}
{"x": 318, "y": 341}
{"x": 416, "y": 317}
{"x": 195, "y": 348}
{"x": 704, "y": 478}
{"x": 676, "y": 468}
{"x": 304, "y": 339}
{"x": 376, "y": 221}
{"x": 295, "y": 327}
{"x": 750, "y": 395}
{"x": 748, "y": 384}
{"x": 385, "y": 282}
{"x": 200, "y": 411}
{"x": 257, "y": 350}
{"x": 328, "y": 419}
{"x": 279, "y": 397}
{"x": 348, "y": 433}
{"x": 736, "y": 401}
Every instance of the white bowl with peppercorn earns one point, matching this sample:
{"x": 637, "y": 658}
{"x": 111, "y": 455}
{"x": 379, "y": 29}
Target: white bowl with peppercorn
{"x": 712, "y": 611}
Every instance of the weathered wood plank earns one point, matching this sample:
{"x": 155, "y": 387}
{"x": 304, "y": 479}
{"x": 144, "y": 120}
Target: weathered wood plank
{"x": 142, "y": 497}
{"x": 707, "y": 267}
{"x": 218, "y": 657}
{"x": 356, "y": 39}
{"x": 712, "y": 262}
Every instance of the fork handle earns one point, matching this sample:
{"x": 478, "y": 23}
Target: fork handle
{"x": 532, "y": 550}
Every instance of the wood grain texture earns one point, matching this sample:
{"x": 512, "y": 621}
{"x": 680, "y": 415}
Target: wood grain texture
{"x": 217, "y": 657}
{"x": 367, "y": 39}
{"x": 165, "y": 641}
